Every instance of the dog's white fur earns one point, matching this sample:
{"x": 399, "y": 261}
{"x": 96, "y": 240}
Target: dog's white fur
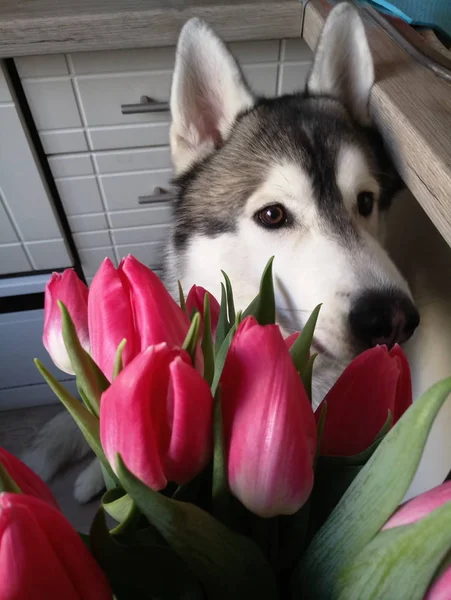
{"x": 207, "y": 94}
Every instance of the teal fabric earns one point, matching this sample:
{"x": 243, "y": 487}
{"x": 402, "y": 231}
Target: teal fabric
{"x": 430, "y": 13}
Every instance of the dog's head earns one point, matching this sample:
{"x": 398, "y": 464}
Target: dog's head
{"x": 303, "y": 177}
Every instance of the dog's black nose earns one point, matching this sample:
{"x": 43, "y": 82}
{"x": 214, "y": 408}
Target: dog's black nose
{"x": 383, "y": 317}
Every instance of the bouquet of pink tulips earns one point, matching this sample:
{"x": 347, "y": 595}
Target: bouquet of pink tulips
{"x": 222, "y": 480}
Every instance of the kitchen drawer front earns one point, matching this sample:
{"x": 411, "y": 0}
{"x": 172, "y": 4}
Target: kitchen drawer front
{"x": 21, "y": 384}
{"x": 100, "y": 192}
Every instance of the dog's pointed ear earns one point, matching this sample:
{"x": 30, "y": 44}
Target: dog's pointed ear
{"x": 343, "y": 66}
{"x": 208, "y": 92}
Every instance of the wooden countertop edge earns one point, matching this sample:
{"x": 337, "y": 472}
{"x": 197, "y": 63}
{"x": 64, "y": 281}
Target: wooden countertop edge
{"x": 412, "y": 107}
{"x": 158, "y": 26}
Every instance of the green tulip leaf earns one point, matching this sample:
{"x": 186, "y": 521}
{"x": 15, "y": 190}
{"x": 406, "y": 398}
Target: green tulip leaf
{"x": 263, "y": 307}
{"x": 307, "y": 375}
{"x": 370, "y": 499}
{"x": 192, "y": 337}
{"x": 141, "y": 570}
{"x": 86, "y": 421}
{"x": 91, "y": 379}
{"x": 226, "y": 564}
{"x": 7, "y": 483}
{"x": 207, "y": 343}
{"x": 221, "y": 357}
{"x": 121, "y": 507}
{"x": 300, "y": 350}
{"x": 399, "y": 562}
{"x": 182, "y": 298}
{"x": 229, "y": 296}
{"x": 223, "y": 327}
{"x": 220, "y": 484}
{"x": 118, "y": 364}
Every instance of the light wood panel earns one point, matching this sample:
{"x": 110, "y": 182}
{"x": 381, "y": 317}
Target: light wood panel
{"x": 51, "y": 26}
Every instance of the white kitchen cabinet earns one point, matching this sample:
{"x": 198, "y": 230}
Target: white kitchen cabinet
{"x": 31, "y": 237}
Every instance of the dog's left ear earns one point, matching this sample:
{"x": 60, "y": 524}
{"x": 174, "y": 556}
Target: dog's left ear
{"x": 343, "y": 66}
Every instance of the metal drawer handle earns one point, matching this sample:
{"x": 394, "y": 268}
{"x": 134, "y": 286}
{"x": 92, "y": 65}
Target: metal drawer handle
{"x": 159, "y": 195}
{"x": 146, "y": 105}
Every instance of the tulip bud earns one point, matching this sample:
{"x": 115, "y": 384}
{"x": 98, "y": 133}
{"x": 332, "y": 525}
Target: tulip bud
{"x": 131, "y": 303}
{"x": 413, "y": 511}
{"x": 375, "y": 383}
{"x": 26, "y": 479}
{"x": 157, "y": 414}
{"x": 269, "y": 426}
{"x": 42, "y": 556}
{"x": 195, "y": 300}
{"x": 70, "y": 290}
{"x": 420, "y": 506}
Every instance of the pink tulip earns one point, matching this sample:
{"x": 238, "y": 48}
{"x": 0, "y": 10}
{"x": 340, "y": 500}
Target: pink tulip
{"x": 157, "y": 414}
{"x": 195, "y": 300}
{"x": 42, "y": 556}
{"x": 269, "y": 426}
{"x": 74, "y": 294}
{"x": 420, "y": 506}
{"x": 413, "y": 511}
{"x": 376, "y": 382}
{"x": 26, "y": 479}
{"x": 132, "y": 303}
{"x": 441, "y": 588}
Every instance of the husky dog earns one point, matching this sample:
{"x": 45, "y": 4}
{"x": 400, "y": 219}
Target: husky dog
{"x": 303, "y": 177}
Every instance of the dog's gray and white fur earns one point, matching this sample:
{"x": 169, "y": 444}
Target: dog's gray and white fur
{"x": 311, "y": 156}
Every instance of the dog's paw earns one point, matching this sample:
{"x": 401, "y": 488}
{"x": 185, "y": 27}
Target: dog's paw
{"x": 89, "y": 483}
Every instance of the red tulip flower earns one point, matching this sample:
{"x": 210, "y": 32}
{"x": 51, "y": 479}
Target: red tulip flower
{"x": 70, "y": 290}
{"x": 376, "y": 382}
{"x": 132, "y": 303}
{"x": 157, "y": 414}
{"x": 26, "y": 479}
{"x": 42, "y": 556}
{"x": 414, "y": 510}
{"x": 195, "y": 300}
{"x": 269, "y": 426}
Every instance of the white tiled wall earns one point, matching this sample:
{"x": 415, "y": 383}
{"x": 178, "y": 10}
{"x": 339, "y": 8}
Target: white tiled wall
{"x": 103, "y": 160}
{"x": 30, "y": 234}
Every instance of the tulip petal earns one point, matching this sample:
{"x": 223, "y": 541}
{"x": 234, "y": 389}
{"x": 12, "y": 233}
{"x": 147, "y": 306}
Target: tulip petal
{"x": 358, "y": 403}
{"x": 441, "y": 588}
{"x": 269, "y": 426}
{"x": 190, "y": 446}
{"x": 158, "y": 318}
{"x": 110, "y": 318}
{"x": 42, "y": 556}
{"x": 133, "y": 419}
{"x": 26, "y": 479}
{"x": 404, "y": 389}
{"x": 421, "y": 506}
{"x": 195, "y": 300}
{"x": 70, "y": 290}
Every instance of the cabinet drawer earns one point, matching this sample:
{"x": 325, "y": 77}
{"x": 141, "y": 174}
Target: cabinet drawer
{"x": 21, "y": 384}
{"x": 122, "y": 190}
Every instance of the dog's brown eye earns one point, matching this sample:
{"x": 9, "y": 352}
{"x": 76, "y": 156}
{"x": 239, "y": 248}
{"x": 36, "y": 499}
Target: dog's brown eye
{"x": 272, "y": 216}
{"x": 365, "y": 203}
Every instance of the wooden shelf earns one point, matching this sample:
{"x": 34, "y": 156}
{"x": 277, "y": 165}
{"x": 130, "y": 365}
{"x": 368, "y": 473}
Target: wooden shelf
{"x": 52, "y": 26}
